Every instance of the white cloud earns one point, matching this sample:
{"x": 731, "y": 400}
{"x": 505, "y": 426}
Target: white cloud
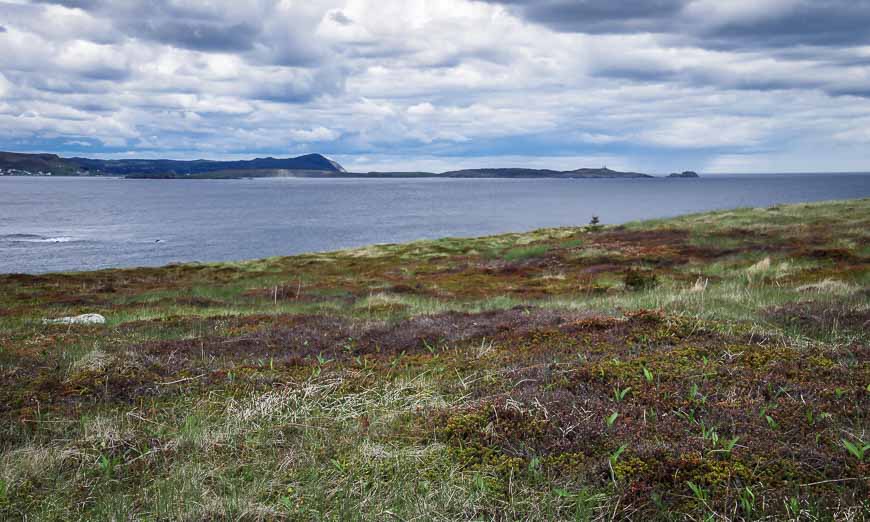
{"x": 93, "y": 60}
{"x": 394, "y": 80}
{"x": 858, "y": 135}
{"x": 789, "y": 161}
{"x": 590, "y": 137}
{"x": 709, "y": 132}
{"x": 5, "y": 86}
{"x": 316, "y": 134}
{"x": 421, "y": 109}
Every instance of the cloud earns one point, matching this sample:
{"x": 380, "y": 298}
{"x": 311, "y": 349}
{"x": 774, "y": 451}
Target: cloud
{"x": 596, "y": 138}
{"x": 709, "y": 23}
{"x": 5, "y": 86}
{"x": 708, "y": 132}
{"x": 280, "y": 31}
{"x": 203, "y": 36}
{"x": 316, "y": 134}
{"x": 94, "y": 61}
{"x": 290, "y": 85}
{"x": 340, "y": 18}
{"x": 421, "y": 109}
{"x": 783, "y": 23}
{"x": 653, "y": 85}
{"x": 591, "y": 16}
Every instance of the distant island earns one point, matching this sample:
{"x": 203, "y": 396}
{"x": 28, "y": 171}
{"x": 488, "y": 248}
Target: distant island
{"x": 684, "y": 174}
{"x": 307, "y": 166}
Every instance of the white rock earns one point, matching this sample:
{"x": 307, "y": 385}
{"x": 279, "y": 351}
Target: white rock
{"x": 78, "y": 319}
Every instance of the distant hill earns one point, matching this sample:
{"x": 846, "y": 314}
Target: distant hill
{"x": 35, "y": 163}
{"x": 542, "y": 173}
{"x": 309, "y": 165}
{"x": 314, "y": 162}
{"x": 158, "y": 168}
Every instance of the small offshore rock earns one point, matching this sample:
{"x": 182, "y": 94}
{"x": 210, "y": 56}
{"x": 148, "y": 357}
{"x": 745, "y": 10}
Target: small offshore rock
{"x": 78, "y": 319}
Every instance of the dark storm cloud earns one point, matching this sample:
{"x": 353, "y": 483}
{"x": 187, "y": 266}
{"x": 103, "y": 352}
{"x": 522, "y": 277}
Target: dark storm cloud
{"x": 174, "y": 24}
{"x": 810, "y": 26}
{"x": 806, "y": 22}
{"x": 297, "y": 90}
{"x": 860, "y": 92}
{"x": 263, "y": 31}
{"x": 704, "y": 77}
{"x": 340, "y": 18}
{"x": 722, "y": 77}
{"x": 197, "y": 35}
{"x": 76, "y": 4}
{"x": 794, "y": 37}
{"x": 598, "y": 16}
{"x": 817, "y": 23}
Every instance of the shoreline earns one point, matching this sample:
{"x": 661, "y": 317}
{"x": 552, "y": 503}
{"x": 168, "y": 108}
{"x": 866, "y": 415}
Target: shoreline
{"x": 423, "y": 241}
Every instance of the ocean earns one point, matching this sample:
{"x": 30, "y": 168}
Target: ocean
{"x": 66, "y": 224}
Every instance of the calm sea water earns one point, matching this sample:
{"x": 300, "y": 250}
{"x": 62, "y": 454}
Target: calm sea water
{"x": 54, "y": 224}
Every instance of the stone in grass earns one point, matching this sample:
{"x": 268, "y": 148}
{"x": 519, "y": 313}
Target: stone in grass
{"x": 78, "y": 319}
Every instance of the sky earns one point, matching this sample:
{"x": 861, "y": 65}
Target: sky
{"x": 647, "y": 85}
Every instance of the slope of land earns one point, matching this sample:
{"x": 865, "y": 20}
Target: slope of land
{"x": 709, "y": 367}
{"x": 157, "y": 168}
{"x": 15, "y": 163}
{"x": 542, "y": 173}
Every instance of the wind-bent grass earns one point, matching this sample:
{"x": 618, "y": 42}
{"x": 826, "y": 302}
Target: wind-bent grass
{"x": 514, "y": 377}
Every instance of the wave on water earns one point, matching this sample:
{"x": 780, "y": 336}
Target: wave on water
{"x": 34, "y": 238}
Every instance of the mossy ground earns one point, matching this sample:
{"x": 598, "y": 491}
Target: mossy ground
{"x": 709, "y": 367}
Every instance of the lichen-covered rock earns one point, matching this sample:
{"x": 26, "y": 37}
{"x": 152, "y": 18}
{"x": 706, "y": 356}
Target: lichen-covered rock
{"x": 78, "y": 319}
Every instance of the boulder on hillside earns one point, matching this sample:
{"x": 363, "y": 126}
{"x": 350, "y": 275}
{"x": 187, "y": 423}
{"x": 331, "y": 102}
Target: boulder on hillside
{"x": 78, "y": 319}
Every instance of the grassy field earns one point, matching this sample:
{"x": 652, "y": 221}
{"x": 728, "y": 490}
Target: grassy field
{"x": 709, "y": 367}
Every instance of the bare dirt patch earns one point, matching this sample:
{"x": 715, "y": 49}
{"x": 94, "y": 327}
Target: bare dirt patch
{"x": 819, "y": 319}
